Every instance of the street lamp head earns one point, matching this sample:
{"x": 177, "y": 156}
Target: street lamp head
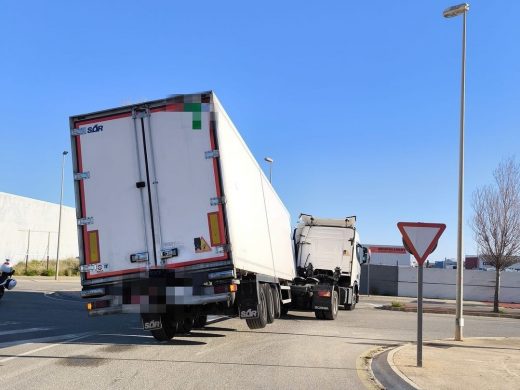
{"x": 456, "y": 10}
{"x": 65, "y": 152}
{"x": 268, "y": 159}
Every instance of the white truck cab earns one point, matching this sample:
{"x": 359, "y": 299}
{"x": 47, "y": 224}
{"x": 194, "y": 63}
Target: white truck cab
{"x": 328, "y": 264}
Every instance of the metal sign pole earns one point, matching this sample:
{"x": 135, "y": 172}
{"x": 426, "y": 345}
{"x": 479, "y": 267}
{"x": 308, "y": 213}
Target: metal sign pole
{"x": 419, "y": 315}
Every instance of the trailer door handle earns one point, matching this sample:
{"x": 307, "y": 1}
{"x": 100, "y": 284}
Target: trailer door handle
{"x": 140, "y": 184}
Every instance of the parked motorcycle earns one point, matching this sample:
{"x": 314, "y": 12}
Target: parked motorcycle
{"x": 6, "y": 277}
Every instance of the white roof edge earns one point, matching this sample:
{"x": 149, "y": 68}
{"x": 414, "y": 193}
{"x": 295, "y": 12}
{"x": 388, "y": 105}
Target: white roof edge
{"x": 26, "y": 198}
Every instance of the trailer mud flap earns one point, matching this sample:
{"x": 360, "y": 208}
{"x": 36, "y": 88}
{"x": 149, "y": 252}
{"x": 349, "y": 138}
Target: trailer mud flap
{"x": 151, "y": 322}
{"x": 247, "y": 296}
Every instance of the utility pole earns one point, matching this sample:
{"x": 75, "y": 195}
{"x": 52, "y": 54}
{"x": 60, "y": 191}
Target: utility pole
{"x": 59, "y": 219}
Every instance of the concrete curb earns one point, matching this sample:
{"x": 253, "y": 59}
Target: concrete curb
{"x": 390, "y": 359}
{"x": 364, "y": 368}
{"x": 450, "y": 311}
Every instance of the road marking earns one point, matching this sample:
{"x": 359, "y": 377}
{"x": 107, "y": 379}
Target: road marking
{"x": 7, "y": 323}
{"x": 8, "y": 344}
{"x": 27, "y": 330}
{"x": 46, "y": 347}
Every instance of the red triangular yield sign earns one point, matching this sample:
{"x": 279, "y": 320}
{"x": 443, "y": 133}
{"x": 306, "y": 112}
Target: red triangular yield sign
{"x": 421, "y": 238}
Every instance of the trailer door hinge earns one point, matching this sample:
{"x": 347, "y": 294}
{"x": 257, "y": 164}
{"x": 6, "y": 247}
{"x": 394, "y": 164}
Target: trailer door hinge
{"x": 85, "y": 221}
{"x": 218, "y": 200}
{"x": 81, "y": 175}
{"x": 79, "y": 131}
{"x": 223, "y": 248}
{"x": 140, "y": 113}
{"x": 211, "y": 154}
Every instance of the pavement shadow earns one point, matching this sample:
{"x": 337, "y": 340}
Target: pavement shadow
{"x": 218, "y": 329}
{"x": 297, "y": 317}
{"x": 448, "y": 346}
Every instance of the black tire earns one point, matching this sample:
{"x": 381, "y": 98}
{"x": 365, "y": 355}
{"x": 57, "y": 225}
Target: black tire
{"x": 276, "y": 301}
{"x": 200, "y": 321}
{"x": 185, "y": 326}
{"x": 168, "y": 330}
{"x": 2, "y": 289}
{"x": 333, "y": 312}
{"x": 284, "y": 310}
{"x": 261, "y": 321}
{"x": 270, "y": 303}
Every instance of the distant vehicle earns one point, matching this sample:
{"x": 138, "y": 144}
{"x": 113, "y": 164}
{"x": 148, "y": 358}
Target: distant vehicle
{"x": 328, "y": 263}
{"x": 6, "y": 277}
{"x": 176, "y": 218}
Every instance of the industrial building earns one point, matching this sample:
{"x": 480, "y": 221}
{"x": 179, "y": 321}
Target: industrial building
{"x": 390, "y": 255}
{"x": 29, "y": 229}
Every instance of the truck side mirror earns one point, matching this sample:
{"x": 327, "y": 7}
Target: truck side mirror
{"x": 366, "y": 255}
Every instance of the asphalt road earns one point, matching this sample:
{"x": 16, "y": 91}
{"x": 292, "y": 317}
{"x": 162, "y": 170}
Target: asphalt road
{"x": 47, "y": 341}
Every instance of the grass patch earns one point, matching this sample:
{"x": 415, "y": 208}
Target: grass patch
{"x": 397, "y": 304}
{"x": 68, "y": 267}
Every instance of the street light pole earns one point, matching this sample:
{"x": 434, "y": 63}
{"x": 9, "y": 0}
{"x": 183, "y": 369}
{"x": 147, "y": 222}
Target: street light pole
{"x": 59, "y": 219}
{"x": 460, "y": 9}
{"x": 270, "y": 161}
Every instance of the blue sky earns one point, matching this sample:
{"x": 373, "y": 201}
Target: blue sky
{"x": 357, "y": 102}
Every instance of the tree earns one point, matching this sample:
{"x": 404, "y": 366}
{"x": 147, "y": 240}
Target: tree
{"x": 496, "y": 222}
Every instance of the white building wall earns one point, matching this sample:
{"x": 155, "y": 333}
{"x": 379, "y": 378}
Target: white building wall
{"x": 478, "y": 285}
{"x": 19, "y": 215}
{"x": 390, "y": 255}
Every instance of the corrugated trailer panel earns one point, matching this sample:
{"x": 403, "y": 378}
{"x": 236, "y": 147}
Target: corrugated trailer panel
{"x": 258, "y": 222}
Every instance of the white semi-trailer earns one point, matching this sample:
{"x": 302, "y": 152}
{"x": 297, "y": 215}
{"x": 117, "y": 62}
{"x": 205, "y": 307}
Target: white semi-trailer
{"x": 176, "y": 219}
{"x": 328, "y": 263}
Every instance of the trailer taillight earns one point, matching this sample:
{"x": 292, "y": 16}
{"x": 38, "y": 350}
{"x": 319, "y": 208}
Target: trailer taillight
{"x": 97, "y": 305}
{"x": 224, "y": 288}
{"x": 324, "y": 293}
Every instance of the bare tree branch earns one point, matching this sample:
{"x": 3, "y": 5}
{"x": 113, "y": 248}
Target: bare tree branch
{"x": 496, "y": 219}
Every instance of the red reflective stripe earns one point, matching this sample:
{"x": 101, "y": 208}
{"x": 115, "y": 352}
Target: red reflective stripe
{"x": 102, "y": 119}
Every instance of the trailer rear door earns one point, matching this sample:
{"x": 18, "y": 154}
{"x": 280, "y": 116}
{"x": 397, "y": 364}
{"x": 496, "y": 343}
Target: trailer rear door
{"x": 149, "y": 193}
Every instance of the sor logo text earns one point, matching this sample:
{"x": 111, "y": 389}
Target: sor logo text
{"x": 153, "y": 324}
{"x": 95, "y": 129}
{"x": 249, "y": 313}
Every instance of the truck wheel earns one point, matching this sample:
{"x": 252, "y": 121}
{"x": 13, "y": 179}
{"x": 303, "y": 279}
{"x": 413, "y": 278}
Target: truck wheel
{"x": 269, "y": 303}
{"x": 261, "y": 321}
{"x": 185, "y": 325}
{"x": 333, "y": 312}
{"x": 169, "y": 327}
{"x": 276, "y": 301}
{"x": 355, "y": 299}
{"x": 200, "y": 321}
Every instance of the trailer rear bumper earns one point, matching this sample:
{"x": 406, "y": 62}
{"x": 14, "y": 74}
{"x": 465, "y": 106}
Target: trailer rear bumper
{"x": 116, "y": 307}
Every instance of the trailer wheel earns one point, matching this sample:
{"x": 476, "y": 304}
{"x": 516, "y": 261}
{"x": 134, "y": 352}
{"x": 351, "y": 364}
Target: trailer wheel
{"x": 169, "y": 327}
{"x": 185, "y": 326}
{"x": 276, "y": 301}
{"x": 333, "y": 312}
{"x": 200, "y": 321}
{"x": 261, "y": 321}
{"x": 269, "y": 303}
